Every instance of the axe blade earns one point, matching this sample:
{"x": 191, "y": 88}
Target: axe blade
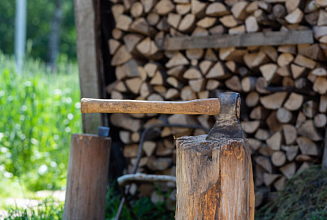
{"x": 227, "y": 123}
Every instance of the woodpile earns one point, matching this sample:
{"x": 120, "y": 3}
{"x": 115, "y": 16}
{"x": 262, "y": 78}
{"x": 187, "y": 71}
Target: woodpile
{"x": 284, "y": 87}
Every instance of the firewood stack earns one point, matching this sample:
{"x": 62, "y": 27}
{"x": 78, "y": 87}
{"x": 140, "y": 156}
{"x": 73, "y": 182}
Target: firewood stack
{"x": 283, "y": 87}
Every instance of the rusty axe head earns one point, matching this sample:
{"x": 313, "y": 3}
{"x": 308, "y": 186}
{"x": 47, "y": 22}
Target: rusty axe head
{"x": 227, "y": 121}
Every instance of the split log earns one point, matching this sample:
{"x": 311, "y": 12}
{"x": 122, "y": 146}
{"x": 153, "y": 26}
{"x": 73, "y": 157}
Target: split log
{"x": 188, "y": 94}
{"x": 294, "y": 17}
{"x": 136, "y": 9}
{"x": 197, "y": 85}
{"x": 239, "y": 10}
{"x": 159, "y": 164}
{"x": 206, "y": 22}
{"x": 250, "y": 126}
{"x": 280, "y": 184}
{"x": 121, "y": 56}
{"x": 125, "y": 121}
{"x": 217, "y": 9}
{"x": 275, "y": 141}
{"x": 124, "y": 22}
{"x": 288, "y": 170}
{"x": 291, "y": 152}
{"x": 290, "y": 133}
{"x": 234, "y": 84}
{"x": 217, "y": 159}
{"x": 278, "y": 158}
{"x": 174, "y": 19}
{"x": 307, "y": 129}
{"x": 294, "y": 102}
{"x": 270, "y": 178}
{"x": 187, "y": 23}
{"x": 149, "y": 147}
{"x": 320, "y": 120}
{"x": 228, "y": 21}
{"x": 192, "y": 73}
{"x": 285, "y": 59}
{"x": 262, "y": 134}
{"x": 273, "y": 101}
{"x": 183, "y": 9}
{"x": 320, "y": 85}
{"x": 198, "y": 8}
{"x": 268, "y": 71}
{"x": 264, "y": 163}
{"x": 252, "y": 99}
{"x": 251, "y": 24}
{"x": 305, "y": 62}
{"x": 283, "y": 115}
{"x": 153, "y": 19}
{"x": 218, "y": 71}
{"x": 259, "y": 113}
{"x": 177, "y": 60}
{"x": 164, "y": 7}
{"x": 307, "y": 146}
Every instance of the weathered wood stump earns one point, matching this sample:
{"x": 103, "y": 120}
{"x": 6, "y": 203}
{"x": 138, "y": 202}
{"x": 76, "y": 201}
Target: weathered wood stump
{"x": 214, "y": 179}
{"x": 87, "y": 177}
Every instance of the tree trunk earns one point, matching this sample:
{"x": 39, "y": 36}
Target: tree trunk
{"x": 54, "y": 36}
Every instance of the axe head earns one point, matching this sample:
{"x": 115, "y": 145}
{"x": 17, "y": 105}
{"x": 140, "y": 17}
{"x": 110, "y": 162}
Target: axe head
{"x": 227, "y": 123}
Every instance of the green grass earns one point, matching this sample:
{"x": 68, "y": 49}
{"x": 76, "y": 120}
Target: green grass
{"x": 38, "y": 112}
{"x": 47, "y": 210}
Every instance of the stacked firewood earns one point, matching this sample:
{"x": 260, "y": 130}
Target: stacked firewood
{"x": 283, "y": 87}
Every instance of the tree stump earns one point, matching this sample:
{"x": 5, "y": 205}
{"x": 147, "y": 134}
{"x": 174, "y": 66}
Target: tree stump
{"x": 214, "y": 179}
{"x": 87, "y": 177}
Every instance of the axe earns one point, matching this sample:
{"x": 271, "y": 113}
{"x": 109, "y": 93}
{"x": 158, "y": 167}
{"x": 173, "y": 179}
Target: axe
{"x": 225, "y": 108}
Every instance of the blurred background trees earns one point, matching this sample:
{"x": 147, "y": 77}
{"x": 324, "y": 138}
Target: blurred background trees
{"x": 50, "y": 31}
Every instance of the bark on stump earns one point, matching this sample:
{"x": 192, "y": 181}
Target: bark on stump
{"x": 214, "y": 179}
{"x": 87, "y": 177}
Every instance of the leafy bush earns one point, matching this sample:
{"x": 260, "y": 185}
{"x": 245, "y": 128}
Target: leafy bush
{"x": 38, "y": 112}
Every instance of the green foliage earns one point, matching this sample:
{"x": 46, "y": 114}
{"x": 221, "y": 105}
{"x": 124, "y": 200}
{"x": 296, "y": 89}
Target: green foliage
{"x": 39, "y": 15}
{"x": 48, "y": 210}
{"x": 143, "y": 208}
{"x": 304, "y": 197}
{"x": 38, "y": 112}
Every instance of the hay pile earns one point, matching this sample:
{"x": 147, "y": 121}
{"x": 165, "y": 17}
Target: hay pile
{"x": 304, "y": 197}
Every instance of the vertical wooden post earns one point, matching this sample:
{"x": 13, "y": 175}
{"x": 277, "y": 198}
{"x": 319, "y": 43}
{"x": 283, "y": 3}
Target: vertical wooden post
{"x": 87, "y": 177}
{"x": 87, "y": 20}
{"x": 324, "y": 158}
{"x": 214, "y": 179}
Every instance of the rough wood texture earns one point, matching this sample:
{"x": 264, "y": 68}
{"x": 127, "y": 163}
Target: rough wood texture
{"x": 89, "y": 57}
{"x": 87, "y": 177}
{"x": 243, "y": 40}
{"x": 214, "y": 179}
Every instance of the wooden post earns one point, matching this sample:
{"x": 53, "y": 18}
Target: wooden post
{"x": 324, "y": 158}
{"x": 89, "y": 57}
{"x": 214, "y": 179}
{"x": 87, "y": 177}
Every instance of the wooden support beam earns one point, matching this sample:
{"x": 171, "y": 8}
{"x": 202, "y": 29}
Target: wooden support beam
{"x": 87, "y": 177}
{"x": 214, "y": 179}
{"x": 89, "y": 57}
{"x": 242, "y": 40}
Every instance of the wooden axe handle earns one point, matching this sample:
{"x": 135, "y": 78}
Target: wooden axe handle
{"x": 194, "y": 107}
